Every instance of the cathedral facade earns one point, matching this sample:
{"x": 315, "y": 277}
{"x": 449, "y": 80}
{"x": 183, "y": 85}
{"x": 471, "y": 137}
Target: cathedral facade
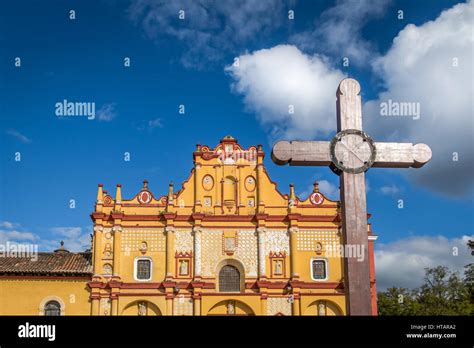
{"x": 227, "y": 242}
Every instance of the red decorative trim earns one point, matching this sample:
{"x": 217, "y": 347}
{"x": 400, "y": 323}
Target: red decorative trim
{"x": 168, "y": 284}
{"x": 97, "y": 215}
{"x": 184, "y": 254}
{"x": 222, "y": 218}
{"x": 203, "y": 294}
{"x": 187, "y": 256}
{"x": 149, "y": 205}
{"x": 271, "y": 285}
{"x": 169, "y": 216}
{"x": 198, "y": 216}
{"x": 277, "y": 254}
{"x": 184, "y": 217}
{"x": 143, "y": 217}
{"x": 115, "y": 284}
{"x": 225, "y": 218}
{"x": 274, "y": 256}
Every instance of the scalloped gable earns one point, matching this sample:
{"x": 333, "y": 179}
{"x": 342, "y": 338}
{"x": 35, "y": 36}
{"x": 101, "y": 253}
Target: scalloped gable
{"x": 228, "y": 179}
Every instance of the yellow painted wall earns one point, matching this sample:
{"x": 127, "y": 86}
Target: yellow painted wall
{"x": 24, "y": 297}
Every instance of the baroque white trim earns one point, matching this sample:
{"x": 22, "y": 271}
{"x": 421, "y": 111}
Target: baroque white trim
{"x": 135, "y": 261}
{"x": 326, "y": 266}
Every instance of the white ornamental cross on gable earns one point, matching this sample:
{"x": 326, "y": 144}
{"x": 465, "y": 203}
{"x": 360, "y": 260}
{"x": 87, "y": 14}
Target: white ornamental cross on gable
{"x": 350, "y": 153}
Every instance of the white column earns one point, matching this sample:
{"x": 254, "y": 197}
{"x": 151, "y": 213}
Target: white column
{"x": 261, "y": 252}
{"x": 197, "y": 251}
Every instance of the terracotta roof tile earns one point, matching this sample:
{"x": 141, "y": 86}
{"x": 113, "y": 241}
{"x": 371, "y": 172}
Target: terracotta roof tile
{"x": 48, "y": 263}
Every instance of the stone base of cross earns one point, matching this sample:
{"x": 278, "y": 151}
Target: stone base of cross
{"x": 350, "y": 154}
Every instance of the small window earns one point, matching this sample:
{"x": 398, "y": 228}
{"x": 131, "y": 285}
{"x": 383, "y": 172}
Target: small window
{"x": 52, "y": 308}
{"x": 319, "y": 269}
{"x": 143, "y": 269}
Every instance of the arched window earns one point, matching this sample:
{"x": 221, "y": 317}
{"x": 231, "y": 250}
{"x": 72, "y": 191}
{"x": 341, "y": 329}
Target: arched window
{"x": 52, "y": 308}
{"x": 229, "y": 279}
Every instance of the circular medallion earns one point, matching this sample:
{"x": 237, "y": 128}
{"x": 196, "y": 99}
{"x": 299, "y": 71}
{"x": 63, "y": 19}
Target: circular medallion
{"x": 352, "y": 151}
{"x": 250, "y": 183}
{"x": 108, "y": 200}
{"x": 144, "y": 197}
{"x": 108, "y": 235}
{"x": 207, "y": 182}
{"x": 316, "y": 198}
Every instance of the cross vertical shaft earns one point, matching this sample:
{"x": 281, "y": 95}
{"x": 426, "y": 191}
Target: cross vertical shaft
{"x": 354, "y": 208}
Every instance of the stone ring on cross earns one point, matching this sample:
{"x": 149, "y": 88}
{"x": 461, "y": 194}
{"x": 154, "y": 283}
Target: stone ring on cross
{"x": 352, "y": 151}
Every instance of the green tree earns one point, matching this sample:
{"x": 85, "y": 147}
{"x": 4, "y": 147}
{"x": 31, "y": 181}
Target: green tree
{"x": 469, "y": 282}
{"x": 397, "y": 301}
{"x": 443, "y": 293}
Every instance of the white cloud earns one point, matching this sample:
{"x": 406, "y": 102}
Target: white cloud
{"x": 18, "y": 135}
{"x": 401, "y": 263}
{"x": 338, "y": 30}
{"x": 8, "y": 224}
{"x": 210, "y": 29}
{"x": 273, "y": 79}
{"x": 390, "y": 190}
{"x": 329, "y": 190}
{"x": 107, "y": 112}
{"x": 156, "y": 123}
{"x": 148, "y": 125}
{"x": 16, "y": 236}
{"x": 73, "y": 237}
{"x": 11, "y": 232}
{"x": 419, "y": 68}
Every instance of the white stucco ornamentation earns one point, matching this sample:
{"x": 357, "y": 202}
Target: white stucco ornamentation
{"x": 277, "y": 305}
{"x": 277, "y": 241}
{"x": 261, "y": 251}
{"x": 211, "y": 249}
{"x": 132, "y": 239}
{"x": 307, "y": 239}
{"x": 197, "y": 232}
{"x": 211, "y": 244}
{"x": 183, "y": 241}
{"x": 182, "y": 306}
{"x": 247, "y": 251}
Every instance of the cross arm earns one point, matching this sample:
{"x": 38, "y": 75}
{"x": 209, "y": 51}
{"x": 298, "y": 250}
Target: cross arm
{"x": 302, "y": 153}
{"x": 317, "y": 153}
{"x": 401, "y": 155}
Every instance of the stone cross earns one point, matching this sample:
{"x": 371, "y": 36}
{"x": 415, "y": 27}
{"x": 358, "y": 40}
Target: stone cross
{"x": 350, "y": 153}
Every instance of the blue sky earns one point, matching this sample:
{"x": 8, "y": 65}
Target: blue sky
{"x": 177, "y": 62}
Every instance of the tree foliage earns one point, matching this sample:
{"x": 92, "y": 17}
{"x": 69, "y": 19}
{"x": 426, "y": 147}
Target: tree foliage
{"x": 443, "y": 293}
